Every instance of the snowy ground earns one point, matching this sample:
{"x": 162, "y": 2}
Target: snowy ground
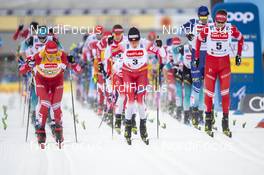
{"x": 179, "y": 150}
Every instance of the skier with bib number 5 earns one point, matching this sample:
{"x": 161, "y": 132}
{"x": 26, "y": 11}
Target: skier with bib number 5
{"x": 217, "y": 64}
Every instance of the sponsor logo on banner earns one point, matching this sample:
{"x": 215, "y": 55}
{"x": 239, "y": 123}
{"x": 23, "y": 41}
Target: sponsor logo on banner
{"x": 243, "y": 17}
{"x": 253, "y": 103}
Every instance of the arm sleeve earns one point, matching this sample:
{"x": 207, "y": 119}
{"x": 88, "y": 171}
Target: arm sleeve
{"x": 201, "y": 37}
{"x": 76, "y": 67}
{"x": 237, "y": 34}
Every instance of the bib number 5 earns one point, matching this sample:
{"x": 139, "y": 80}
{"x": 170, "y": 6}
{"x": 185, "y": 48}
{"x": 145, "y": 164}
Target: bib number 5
{"x": 218, "y": 45}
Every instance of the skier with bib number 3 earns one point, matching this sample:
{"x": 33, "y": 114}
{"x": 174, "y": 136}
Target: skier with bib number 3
{"x": 135, "y": 76}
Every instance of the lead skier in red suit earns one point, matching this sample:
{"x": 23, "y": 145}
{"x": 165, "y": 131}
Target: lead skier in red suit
{"x": 48, "y": 66}
{"x": 218, "y": 36}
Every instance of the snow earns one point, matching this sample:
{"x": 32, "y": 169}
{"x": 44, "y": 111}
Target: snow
{"x": 179, "y": 150}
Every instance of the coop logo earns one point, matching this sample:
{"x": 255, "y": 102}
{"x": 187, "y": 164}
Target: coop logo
{"x": 240, "y": 17}
{"x": 256, "y": 104}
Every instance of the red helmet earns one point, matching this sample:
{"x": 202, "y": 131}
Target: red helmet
{"x": 117, "y": 29}
{"x": 221, "y": 16}
{"x": 176, "y": 41}
{"x": 152, "y": 36}
{"x": 51, "y": 47}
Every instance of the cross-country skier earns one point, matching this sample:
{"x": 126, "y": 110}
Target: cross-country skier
{"x": 217, "y": 64}
{"x": 193, "y": 27}
{"x": 135, "y": 76}
{"x": 49, "y": 65}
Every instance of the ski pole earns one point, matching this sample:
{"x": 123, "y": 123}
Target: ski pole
{"x": 29, "y": 108}
{"x": 157, "y": 99}
{"x": 73, "y": 110}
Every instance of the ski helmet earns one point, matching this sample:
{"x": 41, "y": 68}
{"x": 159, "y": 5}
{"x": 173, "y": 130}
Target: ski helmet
{"x": 152, "y": 36}
{"x": 176, "y": 41}
{"x": 133, "y": 34}
{"x": 51, "y": 47}
{"x": 203, "y": 11}
{"x": 117, "y": 29}
{"x": 221, "y": 16}
{"x": 42, "y": 32}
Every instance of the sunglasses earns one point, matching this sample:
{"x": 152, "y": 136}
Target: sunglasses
{"x": 203, "y": 17}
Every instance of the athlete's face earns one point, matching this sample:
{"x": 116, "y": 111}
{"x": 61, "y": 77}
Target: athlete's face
{"x": 134, "y": 44}
{"x": 219, "y": 24}
{"x": 118, "y": 36}
{"x": 203, "y": 19}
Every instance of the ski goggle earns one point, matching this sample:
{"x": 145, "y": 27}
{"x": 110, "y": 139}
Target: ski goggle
{"x": 203, "y": 17}
{"x": 220, "y": 18}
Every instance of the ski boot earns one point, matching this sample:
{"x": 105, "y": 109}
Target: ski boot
{"x": 195, "y": 118}
{"x": 123, "y": 118}
{"x": 41, "y": 136}
{"x": 171, "y": 108}
{"x": 128, "y": 128}
{"x": 118, "y": 123}
{"x": 208, "y": 124}
{"x": 225, "y": 126}
{"x": 109, "y": 117}
{"x": 143, "y": 131}
{"x": 186, "y": 118}
{"x": 134, "y": 124}
{"x": 33, "y": 118}
{"x": 178, "y": 113}
{"x": 52, "y": 126}
{"x": 58, "y": 134}
{"x": 201, "y": 118}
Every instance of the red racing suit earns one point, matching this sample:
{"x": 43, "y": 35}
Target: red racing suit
{"x": 217, "y": 62}
{"x": 48, "y": 76}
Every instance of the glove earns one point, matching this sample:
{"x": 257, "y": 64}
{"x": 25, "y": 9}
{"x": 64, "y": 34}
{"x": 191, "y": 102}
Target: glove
{"x": 161, "y": 67}
{"x": 159, "y": 42}
{"x": 190, "y": 36}
{"x": 238, "y": 60}
{"x": 20, "y": 27}
{"x": 180, "y": 50}
{"x": 30, "y": 63}
{"x": 196, "y": 62}
{"x": 101, "y": 67}
{"x": 21, "y": 62}
{"x": 110, "y": 40}
{"x": 71, "y": 59}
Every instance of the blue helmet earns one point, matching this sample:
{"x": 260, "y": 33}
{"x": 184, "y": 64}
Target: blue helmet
{"x": 203, "y": 11}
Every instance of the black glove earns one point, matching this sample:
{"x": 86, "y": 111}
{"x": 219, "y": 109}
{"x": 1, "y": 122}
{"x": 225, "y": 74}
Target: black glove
{"x": 159, "y": 42}
{"x": 196, "y": 62}
{"x": 71, "y": 59}
{"x": 101, "y": 67}
{"x": 181, "y": 50}
{"x": 161, "y": 67}
{"x": 238, "y": 60}
{"x": 20, "y": 27}
{"x": 110, "y": 40}
{"x": 190, "y": 36}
